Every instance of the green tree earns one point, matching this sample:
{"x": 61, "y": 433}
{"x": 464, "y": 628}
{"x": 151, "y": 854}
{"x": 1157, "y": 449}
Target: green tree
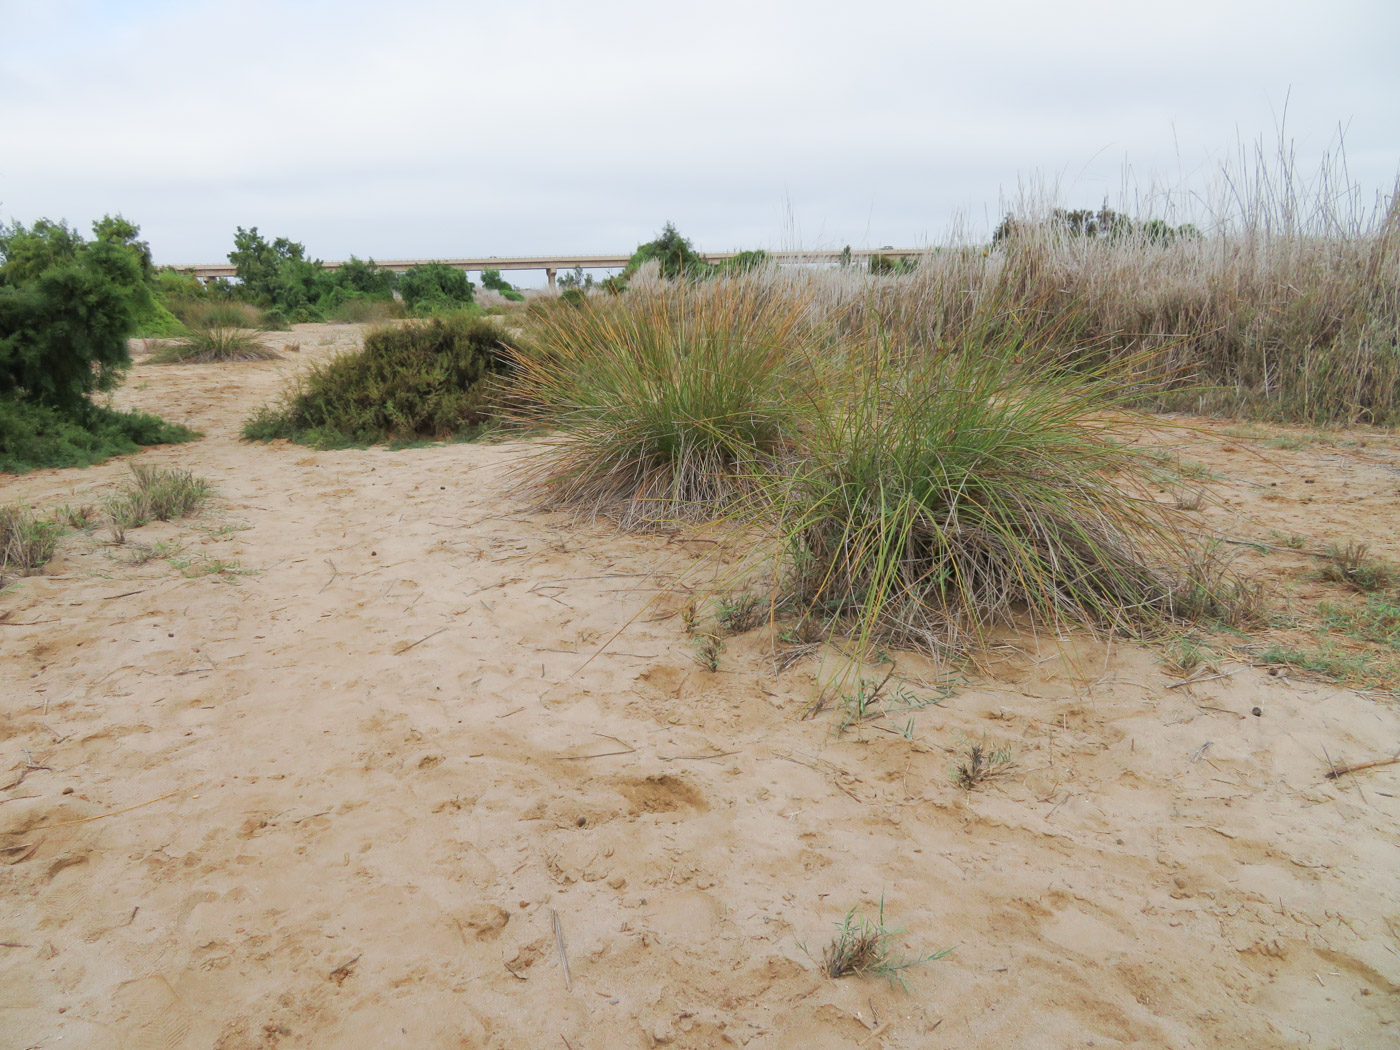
{"x": 116, "y": 230}
{"x": 29, "y": 252}
{"x": 576, "y": 280}
{"x": 675, "y": 254}
{"x": 493, "y": 280}
{"x": 434, "y": 288}
{"x": 366, "y": 278}
{"x": 259, "y": 264}
{"x": 63, "y": 331}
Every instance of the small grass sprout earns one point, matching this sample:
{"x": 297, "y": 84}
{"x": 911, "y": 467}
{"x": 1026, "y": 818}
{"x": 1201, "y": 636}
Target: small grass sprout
{"x": 1353, "y": 565}
{"x": 870, "y": 701}
{"x": 741, "y": 613}
{"x": 141, "y": 553}
{"x": 862, "y": 946}
{"x": 708, "y": 649}
{"x": 981, "y": 762}
{"x": 81, "y": 518}
{"x": 203, "y": 565}
{"x": 1377, "y": 621}
{"x": 1185, "y": 656}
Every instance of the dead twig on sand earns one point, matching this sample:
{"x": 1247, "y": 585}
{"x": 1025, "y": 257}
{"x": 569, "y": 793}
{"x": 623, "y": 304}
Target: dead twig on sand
{"x": 630, "y": 750}
{"x": 1340, "y": 771}
{"x": 115, "y": 812}
{"x": 559, "y": 943}
{"x": 344, "y": 970}
{"x": 405, "y": 648}
{"x": 1207, "y": 678}
{"x": 695, "y": 758}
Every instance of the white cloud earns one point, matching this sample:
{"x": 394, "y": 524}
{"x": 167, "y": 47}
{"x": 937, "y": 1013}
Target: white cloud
{"x": 426, "y": 128}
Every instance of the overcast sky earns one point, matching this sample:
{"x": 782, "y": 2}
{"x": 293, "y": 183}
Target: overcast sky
{"x": 420, "y": 129}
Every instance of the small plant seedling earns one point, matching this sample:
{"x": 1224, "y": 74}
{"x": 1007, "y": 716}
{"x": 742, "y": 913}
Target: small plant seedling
{"x": 862, "y": 946}
{"x": 82, "y": 518}
{"x": 741, "y": 613}
{"x": 980, "y": 763}
{"x": 1186, "y": 655}
{"x": 872, "y": 700}
{"x": 141, "y": 553}
{"x": 203, "y": 565}
{"x": 1353, "y": 565}
{"x": 708, "y": 649}
{"x": 689, "y": 616}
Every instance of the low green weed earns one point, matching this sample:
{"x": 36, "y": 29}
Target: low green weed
{"x": 1353, "y": 565}
{"x": 980, "y": 762}
{"x": 863, "y": 946}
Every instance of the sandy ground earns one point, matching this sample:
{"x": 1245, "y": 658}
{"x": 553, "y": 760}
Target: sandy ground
{"x": 345, "y": 799}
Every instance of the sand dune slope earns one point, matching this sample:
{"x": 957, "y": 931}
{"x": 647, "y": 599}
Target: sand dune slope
{"x": 347, "y": 797}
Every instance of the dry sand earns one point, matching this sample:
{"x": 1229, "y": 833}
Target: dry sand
{"x": 340, "y": 802}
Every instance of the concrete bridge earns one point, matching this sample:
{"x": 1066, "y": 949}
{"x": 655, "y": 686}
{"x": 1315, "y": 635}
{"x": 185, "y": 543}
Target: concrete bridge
{"x": 552, "y": 264}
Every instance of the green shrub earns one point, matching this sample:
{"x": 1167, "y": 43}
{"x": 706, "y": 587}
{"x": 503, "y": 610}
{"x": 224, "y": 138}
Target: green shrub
{"x": 435, "y": 288}
{"x": 674, "y": 254}
{"x": 417, "y": 380}
{"x": 261, "y": 265}
{"x": 63, "y": 332}
{"x": 493, "y": 280}
{"x": 744, "y": 262}
{"x": 356, "y": 309}
{"x": 38, "y": 436}
{"x": 67, "y": 309}
{"x": 365, "y": 278}
{"x": 170, "y": 284}
{"x": 158, "y": 323}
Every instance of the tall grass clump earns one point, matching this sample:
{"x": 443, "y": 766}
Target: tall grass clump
{"x": 1278, "y": 300}
{"x": 27, "y": 542}
{"x": 937, "y": 496}
{"x": 666, "y": 403}
{"x": 156, "y": 494}
{"x": 412, "y": 381}
{"x": 209, "y": 345}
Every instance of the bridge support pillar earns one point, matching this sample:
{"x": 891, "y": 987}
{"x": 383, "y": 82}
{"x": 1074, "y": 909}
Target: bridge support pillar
{"x": 550, "y": 274}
